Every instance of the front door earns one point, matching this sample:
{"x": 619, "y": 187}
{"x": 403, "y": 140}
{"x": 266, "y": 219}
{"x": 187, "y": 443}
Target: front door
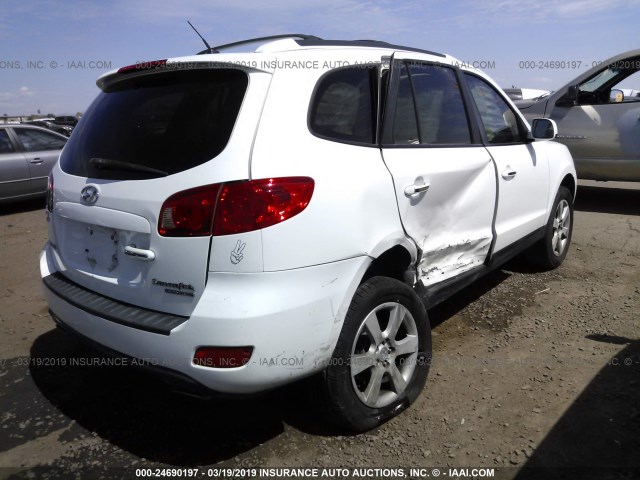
{"x": 523, "y": 172}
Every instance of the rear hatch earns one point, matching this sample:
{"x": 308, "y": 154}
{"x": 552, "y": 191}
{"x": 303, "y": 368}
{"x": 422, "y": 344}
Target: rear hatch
{"x": 148, "y": 135}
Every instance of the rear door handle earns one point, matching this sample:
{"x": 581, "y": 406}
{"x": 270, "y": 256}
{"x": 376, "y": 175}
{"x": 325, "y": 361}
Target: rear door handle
{"x": 508, "y": 173}
{"x": 414, "y": 189}
{"x": 36, "y": 161}
{"x": 140, "y": 253}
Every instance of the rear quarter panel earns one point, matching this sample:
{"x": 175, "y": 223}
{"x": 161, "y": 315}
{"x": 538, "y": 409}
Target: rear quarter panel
{"x": 353, "y": 211}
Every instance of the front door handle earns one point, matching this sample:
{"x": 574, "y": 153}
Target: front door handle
{"x": 508, "y": 173}
{"x": 36, "y": 161}
{"x": 414, "y": 189}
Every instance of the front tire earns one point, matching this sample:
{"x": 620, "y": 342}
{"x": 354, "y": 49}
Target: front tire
{"x": 551, "y": 251}
{"x": 382, "y": 356}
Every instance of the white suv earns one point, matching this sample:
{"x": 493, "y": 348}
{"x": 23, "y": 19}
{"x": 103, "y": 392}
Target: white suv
{"x": 239, "y": 221}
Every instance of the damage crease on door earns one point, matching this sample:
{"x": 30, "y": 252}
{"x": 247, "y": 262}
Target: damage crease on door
{"x": 460, "y": 216}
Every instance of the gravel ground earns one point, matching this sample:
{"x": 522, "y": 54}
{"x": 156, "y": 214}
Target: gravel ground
{"x": 536, "y": 375}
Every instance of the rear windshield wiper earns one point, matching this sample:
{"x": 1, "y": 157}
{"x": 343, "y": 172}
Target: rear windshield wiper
{"x": 109, "y": 164}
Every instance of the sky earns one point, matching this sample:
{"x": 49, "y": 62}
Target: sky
{"x": 52, "y": 51}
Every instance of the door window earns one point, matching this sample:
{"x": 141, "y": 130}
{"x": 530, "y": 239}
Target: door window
{"x": 622, "y": 75}
{"x": 5, "y": 143}
{"x": 35, "y": 140}
{"x": 405, "y": 125}
{"x": 429, "y": 107}
{"x": 500, "y": 122}
{"x": 630, "y": 88}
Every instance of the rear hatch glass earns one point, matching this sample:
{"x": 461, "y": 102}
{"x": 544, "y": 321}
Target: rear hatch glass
{"x": 156, "y": 125}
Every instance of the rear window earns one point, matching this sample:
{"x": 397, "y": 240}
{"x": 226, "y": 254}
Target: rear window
{"x": 156, "y": 125}
{"x": 343, "y": 107}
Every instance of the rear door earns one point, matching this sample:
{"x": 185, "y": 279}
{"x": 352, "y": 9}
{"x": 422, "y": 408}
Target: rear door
{"x": 444, "y": 178}
{"x": 41, "y": 149}
{"x": 144, "y": 139}
{"x": 14, "y": 171}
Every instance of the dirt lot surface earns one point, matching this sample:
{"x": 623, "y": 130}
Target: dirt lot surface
{"x": 536, "y": 375}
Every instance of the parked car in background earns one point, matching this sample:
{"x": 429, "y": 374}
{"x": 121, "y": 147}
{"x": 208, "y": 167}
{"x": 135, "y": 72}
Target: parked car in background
{"x": 525, "y": 93}
{"x": 27, "y": 155}
{"x": 598, "y": 118}
{"x": 66, "y": 120}
{"x": 243, "y": 220}
{"x": 50, "y": 125}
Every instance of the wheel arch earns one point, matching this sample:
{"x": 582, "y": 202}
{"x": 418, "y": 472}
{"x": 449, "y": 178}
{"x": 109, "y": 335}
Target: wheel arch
{"x": 562, "y": 171}
{"x": 570, "y": 183}
{"x": 395, "y": 262}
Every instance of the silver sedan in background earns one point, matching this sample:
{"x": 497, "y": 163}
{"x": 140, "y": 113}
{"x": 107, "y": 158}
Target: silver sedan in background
{"x": 27, "y": 155}
{"x": 598, "y": 118}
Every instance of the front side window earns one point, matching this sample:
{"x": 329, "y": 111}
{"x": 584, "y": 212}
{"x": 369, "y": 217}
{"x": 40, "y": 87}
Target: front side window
{"x": 343, "y": 106}
{"x": 630, "y": 87}
{"x": 622, "y": 75}
{"x": 156, "y": 125}
{"x": 37, "y": 141}
{"x": 500, "y": 122}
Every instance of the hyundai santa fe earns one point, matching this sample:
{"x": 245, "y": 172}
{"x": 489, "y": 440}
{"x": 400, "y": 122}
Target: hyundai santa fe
{"x": 242, "y": 220}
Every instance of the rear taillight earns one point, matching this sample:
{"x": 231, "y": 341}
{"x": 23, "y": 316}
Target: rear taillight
{"x": 49, "y": 202}
{"x": 246, "y": 206}
{"x": 222, "y": 357}
{"x": 189, "y": 213}
{"x": 238, "y": 207}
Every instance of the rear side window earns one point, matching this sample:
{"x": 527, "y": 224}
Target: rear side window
{"x": 156, "y": 125}
{"x": 441, "y": 113}
{"x": 429, "y": 109}
{"x": 343, "y": 107}
{"x": 405, "y": 125}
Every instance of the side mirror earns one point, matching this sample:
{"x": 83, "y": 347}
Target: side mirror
{"x": 544, "y": 129}
{"x": 616, "y": 96}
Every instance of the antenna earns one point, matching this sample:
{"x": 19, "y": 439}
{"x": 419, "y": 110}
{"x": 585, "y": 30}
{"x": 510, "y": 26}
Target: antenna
{"x": 211, "y": 50}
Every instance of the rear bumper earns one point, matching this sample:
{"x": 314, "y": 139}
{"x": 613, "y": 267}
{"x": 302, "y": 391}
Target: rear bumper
{"x": 109, "y": 309}
{"x": 292, "y": 319}
{"x": 172, "y": 378}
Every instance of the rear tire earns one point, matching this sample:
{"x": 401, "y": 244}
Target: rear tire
{"x": 551, "y": 251}
{"x": 382, "y": 357}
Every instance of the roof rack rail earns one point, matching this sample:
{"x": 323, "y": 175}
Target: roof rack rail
{"x": 319, "y": 42}
{"x": 259, "y": 39}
